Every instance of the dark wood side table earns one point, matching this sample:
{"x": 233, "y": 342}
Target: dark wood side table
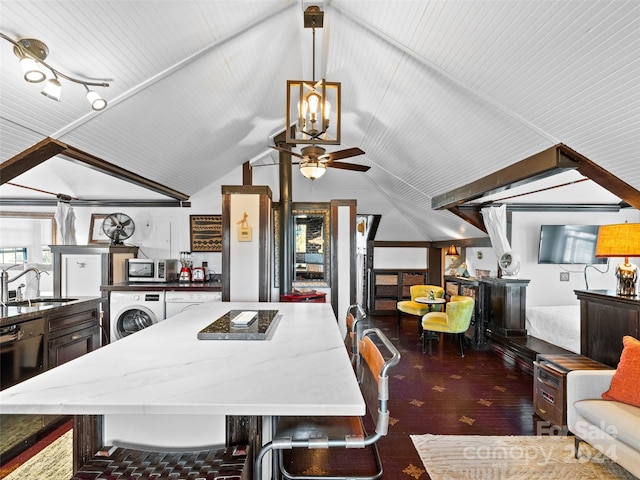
{"x": 549, "y": 383}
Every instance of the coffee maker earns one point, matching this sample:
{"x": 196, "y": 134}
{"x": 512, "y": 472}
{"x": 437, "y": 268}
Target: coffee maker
{"x": 185, "y": 271}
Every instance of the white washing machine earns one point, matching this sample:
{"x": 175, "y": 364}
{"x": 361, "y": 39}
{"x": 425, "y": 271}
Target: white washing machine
{"x": 178, "y": 302}
{"x": 132, "y": 311}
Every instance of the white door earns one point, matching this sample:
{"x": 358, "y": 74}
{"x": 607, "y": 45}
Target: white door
{"x": 81, "y": 275}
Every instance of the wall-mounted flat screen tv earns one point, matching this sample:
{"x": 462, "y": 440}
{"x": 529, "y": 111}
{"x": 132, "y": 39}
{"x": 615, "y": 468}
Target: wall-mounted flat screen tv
{"x": 568, "y": 244}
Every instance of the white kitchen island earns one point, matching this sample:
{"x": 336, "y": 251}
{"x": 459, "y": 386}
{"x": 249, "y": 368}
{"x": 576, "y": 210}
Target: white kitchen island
{"x": 164, "y": 387}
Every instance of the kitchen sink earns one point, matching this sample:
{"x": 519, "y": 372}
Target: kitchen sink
{"x": 40, "y": 302}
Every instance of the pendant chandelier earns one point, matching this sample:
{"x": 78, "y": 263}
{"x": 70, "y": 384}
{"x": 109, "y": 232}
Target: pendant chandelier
{"x": 313, "y": 107}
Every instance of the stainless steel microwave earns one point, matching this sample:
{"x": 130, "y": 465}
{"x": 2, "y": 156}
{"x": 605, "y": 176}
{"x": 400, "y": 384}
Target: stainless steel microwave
{"x": 151, "y": 270}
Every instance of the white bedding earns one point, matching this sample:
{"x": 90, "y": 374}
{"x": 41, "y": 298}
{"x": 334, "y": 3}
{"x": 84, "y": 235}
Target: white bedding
{"x": 559, "y": 325}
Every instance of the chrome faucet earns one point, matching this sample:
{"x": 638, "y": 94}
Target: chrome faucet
{"x": 4, "y": 294}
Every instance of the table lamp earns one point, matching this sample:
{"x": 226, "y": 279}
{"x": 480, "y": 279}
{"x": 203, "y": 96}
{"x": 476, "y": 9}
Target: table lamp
{"x": 621, "y": 240}
{"x": 452, "y": 251}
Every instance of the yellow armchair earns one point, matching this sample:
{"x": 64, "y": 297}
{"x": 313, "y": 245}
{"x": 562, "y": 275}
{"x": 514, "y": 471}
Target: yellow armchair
{"x": 412, "y": 307}
{"x": 455, "y": 319}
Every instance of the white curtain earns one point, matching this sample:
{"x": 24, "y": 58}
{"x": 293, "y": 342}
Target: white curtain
{"x": 66, "y": 220}
{"x": 495, "y": 219}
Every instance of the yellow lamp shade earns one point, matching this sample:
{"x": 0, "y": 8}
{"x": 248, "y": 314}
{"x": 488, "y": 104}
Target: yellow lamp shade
{"x": 618, "y": 240}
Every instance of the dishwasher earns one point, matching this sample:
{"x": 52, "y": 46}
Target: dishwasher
{"x": 178, "y": 302}
{"x": 22, "y": 351}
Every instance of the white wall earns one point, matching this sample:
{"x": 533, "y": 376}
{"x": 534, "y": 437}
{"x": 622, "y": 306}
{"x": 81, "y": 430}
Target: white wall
{"x": 545, "y": 287}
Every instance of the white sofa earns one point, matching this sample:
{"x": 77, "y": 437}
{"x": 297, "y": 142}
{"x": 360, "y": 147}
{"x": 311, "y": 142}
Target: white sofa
{"x": 611, "y": 427}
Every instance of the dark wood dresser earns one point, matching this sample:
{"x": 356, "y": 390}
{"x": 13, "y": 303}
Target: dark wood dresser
{"x": 604, "y": 319}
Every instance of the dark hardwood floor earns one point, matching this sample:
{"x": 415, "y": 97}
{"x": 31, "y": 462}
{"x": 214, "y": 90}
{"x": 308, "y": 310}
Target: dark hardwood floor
{"x": 446, "y": 394}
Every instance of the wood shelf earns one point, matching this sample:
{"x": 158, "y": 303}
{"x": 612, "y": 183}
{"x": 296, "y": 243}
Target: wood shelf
{"x": 388, "y": 287}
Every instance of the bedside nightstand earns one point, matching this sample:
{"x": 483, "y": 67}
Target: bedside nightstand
{"x": 549, "y": 383}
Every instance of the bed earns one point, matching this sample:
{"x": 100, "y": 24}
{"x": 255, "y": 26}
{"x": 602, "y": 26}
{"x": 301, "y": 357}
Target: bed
{"x": 558, "y": 325}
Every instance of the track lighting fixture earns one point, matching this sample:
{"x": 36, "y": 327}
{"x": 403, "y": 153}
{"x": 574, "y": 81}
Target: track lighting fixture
{"x": 32, "y": 54}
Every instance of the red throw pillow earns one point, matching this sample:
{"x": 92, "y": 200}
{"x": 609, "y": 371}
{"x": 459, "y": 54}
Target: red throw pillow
{"x": 625, "y": 382}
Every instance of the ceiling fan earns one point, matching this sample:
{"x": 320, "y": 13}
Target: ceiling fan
{"x": 317, "y": 156}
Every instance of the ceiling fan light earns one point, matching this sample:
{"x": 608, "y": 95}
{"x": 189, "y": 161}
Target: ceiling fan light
{"x": 95, "y": 100}
{"x": 53, "y": 89}
{"x": 312, "y": 170}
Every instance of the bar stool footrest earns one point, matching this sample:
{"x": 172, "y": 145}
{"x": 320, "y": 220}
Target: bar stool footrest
{"x": 109, "y": 462}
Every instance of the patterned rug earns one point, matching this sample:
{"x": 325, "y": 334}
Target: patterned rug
{"x": 55, "y": 462}
{"x": 472, "y": 457}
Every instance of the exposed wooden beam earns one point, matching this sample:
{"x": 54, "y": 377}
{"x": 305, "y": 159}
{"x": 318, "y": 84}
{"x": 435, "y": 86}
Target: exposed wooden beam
{"x": 474, "y": 217}
{"x": 94, "y": 202}
{"x": 49, "y": 147}
{"x": 556, "y": 159}
{"x": 607, "y": 180}
{"x": 31, "y": 157}
{"x": 247, "y": 174}
{"x": 103, "y": 166}
{"x": 548, "y": 162}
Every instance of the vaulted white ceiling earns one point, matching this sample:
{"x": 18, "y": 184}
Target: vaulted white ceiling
{"x": 438, "y": 93}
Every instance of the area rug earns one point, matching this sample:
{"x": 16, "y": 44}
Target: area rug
{"x": 471, "y": 457}
{"x": 55, "y": 462}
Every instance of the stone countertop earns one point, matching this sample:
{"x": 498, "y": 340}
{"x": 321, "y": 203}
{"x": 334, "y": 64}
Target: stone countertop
{"x": 168, "y": 286}
{"x": 303, "y": 369}
{"x": 14, "y": 313}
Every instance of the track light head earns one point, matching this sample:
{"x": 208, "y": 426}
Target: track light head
{"x": 31, "y": 52}
{"x": 95, "y": 100}
{"x": 53, "y": 89}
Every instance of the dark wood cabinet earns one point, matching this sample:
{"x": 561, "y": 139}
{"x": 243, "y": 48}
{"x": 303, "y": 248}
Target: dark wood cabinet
{"x": 500, "y": 307}
{"x": 52, "y": 336}
{"x": 73, "y": 332}
{"x": 505, "y": 306}
{"x": 604, "y": 319}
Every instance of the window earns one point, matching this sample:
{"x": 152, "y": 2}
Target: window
{"x": 13, "y": 255}
{"x": 25, "y": 237}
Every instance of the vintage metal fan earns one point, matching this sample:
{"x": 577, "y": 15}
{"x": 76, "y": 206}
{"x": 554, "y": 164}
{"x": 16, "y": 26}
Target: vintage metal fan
{"x": 510, "y": 264}
{"x": 118, "y": 227}
{"x": 315, "y": 153}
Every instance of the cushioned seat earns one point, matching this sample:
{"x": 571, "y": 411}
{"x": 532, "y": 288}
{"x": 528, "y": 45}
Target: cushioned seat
{"x": 455, "y": 319}
{"x": 618, "y": 419}
{"x": 412, "y": 307}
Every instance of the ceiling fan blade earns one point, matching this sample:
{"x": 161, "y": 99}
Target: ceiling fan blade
{"x": 280, "y": 149}
{"x": 346, "y": 153}
{"x": 348, "y": 166}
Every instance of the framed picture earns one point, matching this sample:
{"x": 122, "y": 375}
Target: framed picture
{"x": 206, "y": 233}
{"x": 96, "y": 234}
